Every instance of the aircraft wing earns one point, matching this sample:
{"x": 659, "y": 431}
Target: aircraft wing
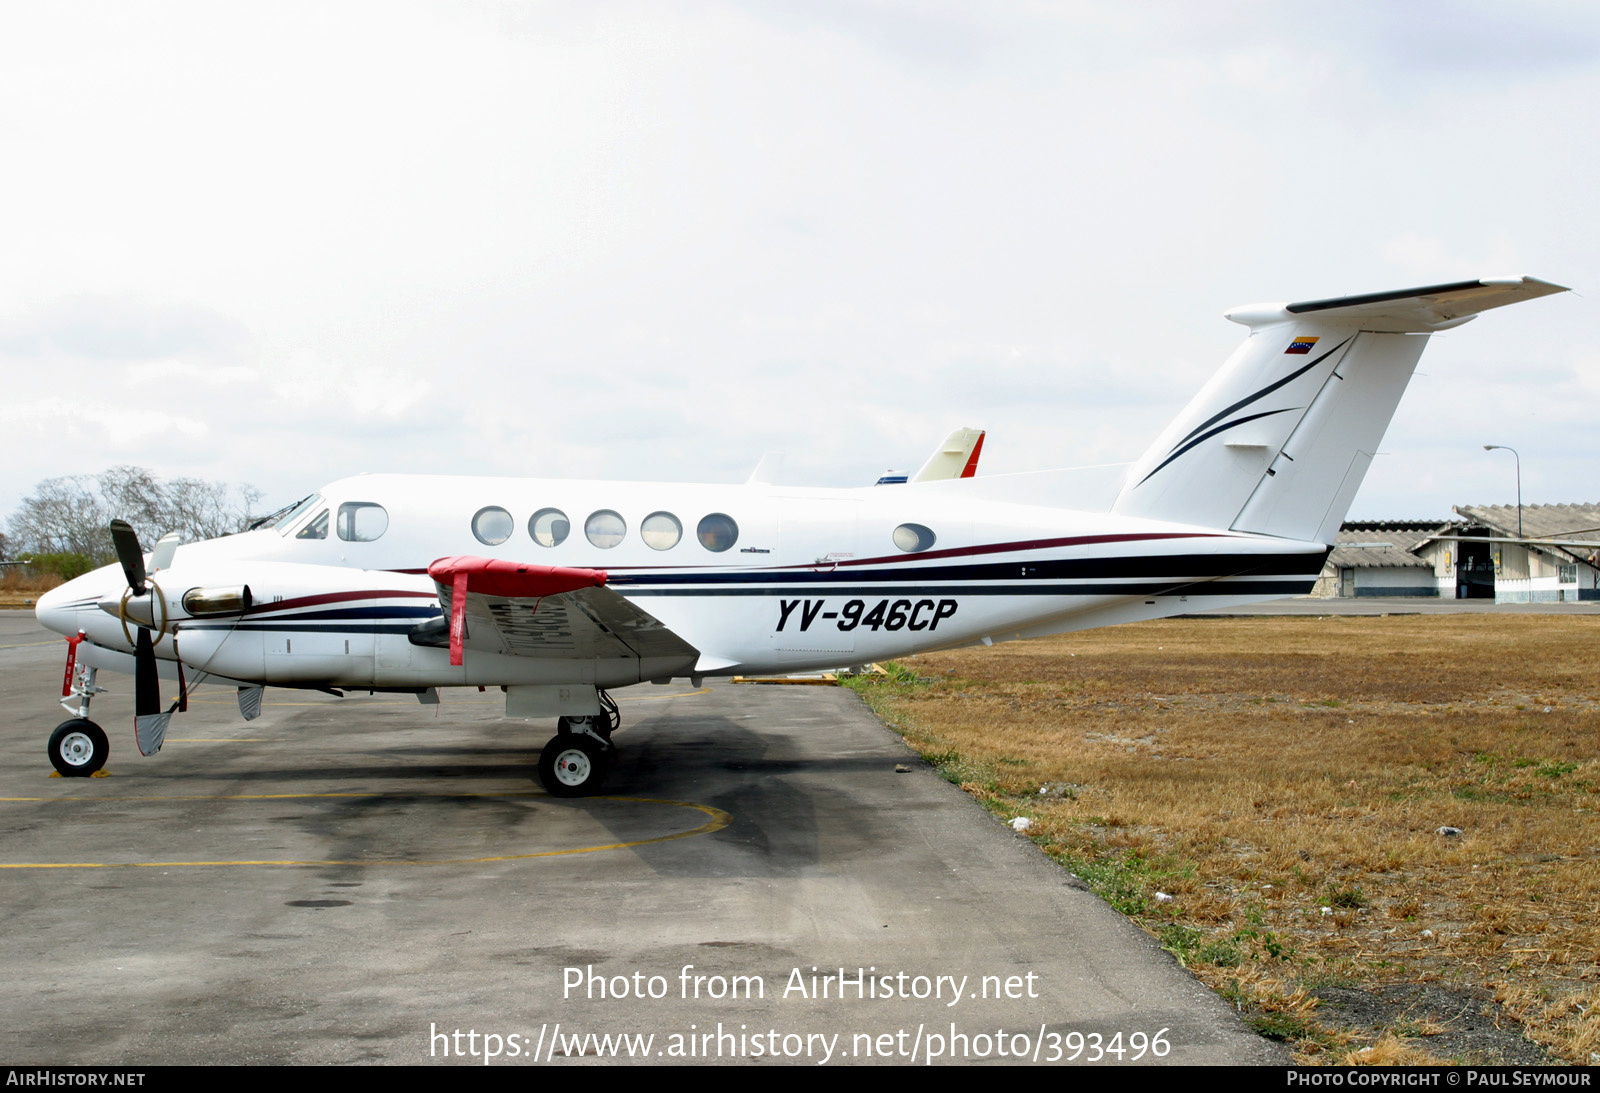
{"x": 553, "y": 612}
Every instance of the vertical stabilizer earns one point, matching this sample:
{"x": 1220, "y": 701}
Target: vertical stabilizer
{"x": 956, "y": 457}
{"x": 1278, "y": 441}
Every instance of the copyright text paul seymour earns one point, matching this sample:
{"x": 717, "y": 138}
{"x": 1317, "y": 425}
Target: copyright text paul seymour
{"x": 1470, "y": 1077}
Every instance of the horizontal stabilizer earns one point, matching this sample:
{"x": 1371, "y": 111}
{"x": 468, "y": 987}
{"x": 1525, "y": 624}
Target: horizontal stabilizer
{"x": 1406, "y": 310}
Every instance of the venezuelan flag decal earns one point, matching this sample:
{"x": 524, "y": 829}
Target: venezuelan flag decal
{"x": 1301, "y": 345}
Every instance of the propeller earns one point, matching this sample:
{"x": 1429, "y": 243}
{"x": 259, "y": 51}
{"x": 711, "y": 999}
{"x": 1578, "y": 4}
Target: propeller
{"x": 149, "y": 719}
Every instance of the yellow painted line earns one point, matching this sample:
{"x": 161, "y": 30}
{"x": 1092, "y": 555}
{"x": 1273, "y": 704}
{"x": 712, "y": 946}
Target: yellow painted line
{"x": 828, "y": 680}
{"x": 718, "y": 820}
{"x": 218, "y": 740}
{"x": 658, "y": 698}
{"x": 31, "y": 644}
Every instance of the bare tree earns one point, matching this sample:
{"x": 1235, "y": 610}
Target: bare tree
{"x": 197, "y": 509}
{"x": 70, "y": 515}
{"x": 64, "y": 516}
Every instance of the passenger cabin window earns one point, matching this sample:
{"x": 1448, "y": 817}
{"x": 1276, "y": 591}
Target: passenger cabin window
{"x": 605, "y": 529}
{"x": 361, "y": 521}
{"x": 717, "y": 532}
{"x": 549, "y": 527}
{"x": 661, "y": 531}
{"x": 317, "y": 528}
{"x": 912, "y": 537}
{"x": 492, "y": 526}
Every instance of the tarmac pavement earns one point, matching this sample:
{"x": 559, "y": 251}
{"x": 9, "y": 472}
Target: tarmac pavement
{"x": 371, "y": 880}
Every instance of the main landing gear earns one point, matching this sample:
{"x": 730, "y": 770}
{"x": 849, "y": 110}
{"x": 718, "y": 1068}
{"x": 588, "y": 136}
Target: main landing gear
{"x": 578, "y": 757}
{"x": 79, "y": 747}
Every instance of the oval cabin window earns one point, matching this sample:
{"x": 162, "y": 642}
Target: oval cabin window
{"x": 492, "y": 526}
{"x": 605, "y": 529}
{"x": 912, "y": 538}
{"x": 717, "y": 532}
{"x": 549, "y": 527}
{"x": 661, "y": 531}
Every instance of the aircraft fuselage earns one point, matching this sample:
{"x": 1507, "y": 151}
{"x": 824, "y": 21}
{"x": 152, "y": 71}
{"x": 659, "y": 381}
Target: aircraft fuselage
{"x": 758, "y": 578}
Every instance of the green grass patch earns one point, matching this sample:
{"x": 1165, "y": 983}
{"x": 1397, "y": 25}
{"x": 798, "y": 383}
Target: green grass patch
{"x": 1352, "y": 897}
{"x": 1128, "y": 879}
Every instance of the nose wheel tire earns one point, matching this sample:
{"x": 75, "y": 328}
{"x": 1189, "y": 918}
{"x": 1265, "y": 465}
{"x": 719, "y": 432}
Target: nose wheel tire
{"x": 574, "y": 765}
{"x": 78, "y": 748}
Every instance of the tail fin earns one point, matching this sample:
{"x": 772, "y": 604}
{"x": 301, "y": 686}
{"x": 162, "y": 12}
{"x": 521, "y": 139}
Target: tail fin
{"x": 956, "y": 457}
{"x": 1278, "y": 441}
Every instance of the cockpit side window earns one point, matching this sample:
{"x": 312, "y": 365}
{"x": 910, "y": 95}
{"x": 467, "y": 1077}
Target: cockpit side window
{"x": 362, "y": 521}
{"x": 317, "y": 528}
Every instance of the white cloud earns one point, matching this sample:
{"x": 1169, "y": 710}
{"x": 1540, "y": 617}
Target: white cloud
{"x": 320, "y": 389}
{"x": 645, "y": 241}
{"x": 186, "y": 373}
{"x": 74, "y": 422}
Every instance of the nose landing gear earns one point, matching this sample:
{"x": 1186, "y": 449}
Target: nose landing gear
{"x": 78, "y": 747}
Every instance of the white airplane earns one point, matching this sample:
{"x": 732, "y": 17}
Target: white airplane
{"x": 559, "y": 591}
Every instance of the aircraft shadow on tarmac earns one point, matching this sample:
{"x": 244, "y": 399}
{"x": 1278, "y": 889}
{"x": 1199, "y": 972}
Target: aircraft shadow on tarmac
{"x": 467, "y": 795}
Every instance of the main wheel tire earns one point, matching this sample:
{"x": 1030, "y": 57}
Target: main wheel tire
{"x": 78, "y": 748}
{"x": 573, "y": 765}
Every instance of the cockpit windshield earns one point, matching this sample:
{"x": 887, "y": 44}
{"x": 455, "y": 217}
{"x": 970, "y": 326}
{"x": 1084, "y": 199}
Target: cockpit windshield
{"x": 279, "y": 516}
{"x": 286, "y": 522}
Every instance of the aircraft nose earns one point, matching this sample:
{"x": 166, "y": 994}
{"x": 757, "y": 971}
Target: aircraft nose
{"x": 52, "y": 612}
{"x": 59, "y": 609}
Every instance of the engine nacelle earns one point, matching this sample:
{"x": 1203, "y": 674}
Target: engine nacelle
{"x": 203, "y": 603}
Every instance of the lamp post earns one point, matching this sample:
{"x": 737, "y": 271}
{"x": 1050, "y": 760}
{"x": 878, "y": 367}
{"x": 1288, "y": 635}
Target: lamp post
{"x": 1518, "y": 458}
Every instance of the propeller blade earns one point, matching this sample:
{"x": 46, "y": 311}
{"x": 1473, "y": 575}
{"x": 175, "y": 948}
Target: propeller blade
{"x": 146, "y": 677}
{"x": 126, "y": 540}
{"x": 149, "y": 719}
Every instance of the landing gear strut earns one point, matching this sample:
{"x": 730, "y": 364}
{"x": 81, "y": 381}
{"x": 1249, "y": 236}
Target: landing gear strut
{"x": 78, "y": 747}
{"x": 576, "y": 760}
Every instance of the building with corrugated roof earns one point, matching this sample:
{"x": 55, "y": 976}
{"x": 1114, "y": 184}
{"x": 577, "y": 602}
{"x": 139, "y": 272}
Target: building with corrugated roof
{"x": 1545, "y": 571}
{"x": 1473, "y": 556}
{"x": 1374, "y": 558}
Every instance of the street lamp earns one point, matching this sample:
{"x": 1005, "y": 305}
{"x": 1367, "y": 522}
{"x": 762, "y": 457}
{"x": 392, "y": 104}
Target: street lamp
{"x": 1513, "y": 451}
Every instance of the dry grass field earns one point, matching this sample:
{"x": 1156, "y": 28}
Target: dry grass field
{"x": 1274, "y": 799}
{"x": 18, "y": 588}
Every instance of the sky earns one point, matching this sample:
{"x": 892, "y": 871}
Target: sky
{"x": 276, "y": 244}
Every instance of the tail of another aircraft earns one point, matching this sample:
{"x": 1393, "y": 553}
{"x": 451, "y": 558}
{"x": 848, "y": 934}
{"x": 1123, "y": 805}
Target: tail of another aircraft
{"x": 957, "y": 457}
{"x": 1279, "y": 440}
